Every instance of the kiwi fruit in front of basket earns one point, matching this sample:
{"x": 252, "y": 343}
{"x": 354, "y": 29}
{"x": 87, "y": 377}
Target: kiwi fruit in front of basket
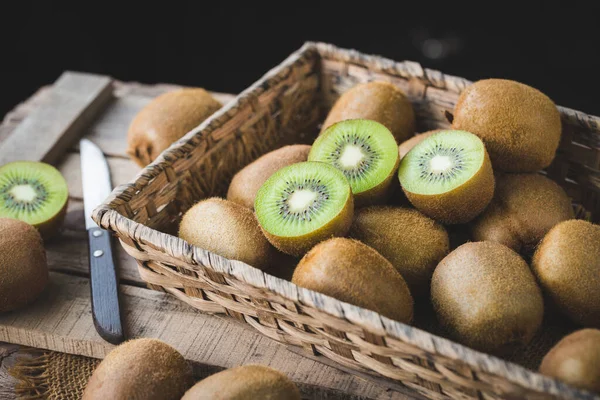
{"x": 303, "y": 204}
{"x": 165, "y": 120}
{"x": 245, "y": 382}
{"x": 140, "y": 369}
{"x": 35, "y": 193}
{"x": 575, "y": 360}
{"x": 411, "y": 241}
{"x": 519, "y": 125}
{"x": 567, "y": 265}
{"x": 227, "y": 229}
{"x": 448, "y": 176}
{"x": 524, "y": 208}
{"x": 365, "y": 151}
{"x": 377, "y": 101}
{"x": 355, "y": 273}
{"x": 23, "y": 266}
{"x": 486, "y": 297}
{"x": 248, "y": 180}
{"x": 407, "y": 145}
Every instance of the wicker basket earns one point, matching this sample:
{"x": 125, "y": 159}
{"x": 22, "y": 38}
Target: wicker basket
{"x": 286, "y": 106}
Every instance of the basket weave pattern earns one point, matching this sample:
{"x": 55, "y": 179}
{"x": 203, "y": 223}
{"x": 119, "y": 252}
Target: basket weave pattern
{"x": 286, "y": 106}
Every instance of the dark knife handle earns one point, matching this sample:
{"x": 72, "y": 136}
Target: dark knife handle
{"x": 105, "y": 293}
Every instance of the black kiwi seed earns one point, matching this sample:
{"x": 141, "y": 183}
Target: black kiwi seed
{"x": 459, "y": 163}
{"x": 371, "y": 157}
{"x": 15, "y": 205}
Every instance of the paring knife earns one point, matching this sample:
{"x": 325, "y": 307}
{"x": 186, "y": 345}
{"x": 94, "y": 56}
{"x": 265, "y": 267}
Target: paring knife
{"x": 95, "y": 177}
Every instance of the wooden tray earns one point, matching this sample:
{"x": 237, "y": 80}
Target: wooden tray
{"x": 92, "y": 106}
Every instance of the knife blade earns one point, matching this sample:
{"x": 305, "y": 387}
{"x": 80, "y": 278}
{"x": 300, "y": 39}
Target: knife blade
{"x": 95, "y": 176}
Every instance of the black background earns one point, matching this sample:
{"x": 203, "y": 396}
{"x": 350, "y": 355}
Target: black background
{"x": 227, "y": 46}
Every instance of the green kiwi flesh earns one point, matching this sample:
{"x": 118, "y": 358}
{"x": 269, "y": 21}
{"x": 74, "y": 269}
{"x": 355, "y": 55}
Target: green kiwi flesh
{"x": 411, "y": 241}
{"x": 248, "y": 180}
{"x": 355, "y": 273}
{"x": 23, "y": 267}
{"x": 567, "y": 265}
{"x": 524, "y": 208}
{"x": 227, "y": 229}
{"x": 140, "y": 369}
{"x": 448, "y": 176}
{"x": 303, "y": 204}
{"x": 486, "y": 297}
{"x": 245, "y": 382}
{"x": 576, "y": 360}
{"x": 35, "y": 193}
{"x": 365, "y": 151}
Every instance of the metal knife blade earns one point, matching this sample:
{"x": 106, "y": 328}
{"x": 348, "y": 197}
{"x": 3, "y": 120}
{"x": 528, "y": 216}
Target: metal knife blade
{"x": 95, "y": 176}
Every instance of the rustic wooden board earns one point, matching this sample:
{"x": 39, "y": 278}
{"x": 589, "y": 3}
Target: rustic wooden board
{"x": 74, "y": 101}
{"x": 61, "y": 319}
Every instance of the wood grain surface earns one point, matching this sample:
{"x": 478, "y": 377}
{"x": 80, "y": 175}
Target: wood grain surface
{"x": 61, "y": 319}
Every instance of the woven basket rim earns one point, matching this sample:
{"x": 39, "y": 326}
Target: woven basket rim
{"x": 106, "y": 216}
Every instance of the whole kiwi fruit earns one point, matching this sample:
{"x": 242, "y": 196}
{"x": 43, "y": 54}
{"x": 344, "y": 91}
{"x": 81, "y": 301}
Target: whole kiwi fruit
{"x": 355, "y": 273}
{"x": 248, "y": 180}
{"x": 245, "y": 382}
{"x": 519, "y": 125}
{"x": 485, "y": 296}
{"x": 575, "y": 360}
{"x": 524, "y": 208}
{"x": 377, "y": 101}
{"x": 165, "y": 120}
{"x": 143, "y": 369}
{"x": 567, "y": 265}
{"x": 448, "y": 176}
{"x": 408, "y": 144}
{"x": 227, "y": 229}
{"x": 412, "y": 242}
{"x": 23, "y": 266}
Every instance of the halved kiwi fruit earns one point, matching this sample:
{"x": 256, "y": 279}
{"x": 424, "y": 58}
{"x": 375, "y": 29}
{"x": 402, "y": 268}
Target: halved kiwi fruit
{"x": 245, "y": 382}
{"x": 35, "y": 193}
{"x": 303, "y": 204}
{"x": 448, "y": 176}
{"x": 365, "y": 151}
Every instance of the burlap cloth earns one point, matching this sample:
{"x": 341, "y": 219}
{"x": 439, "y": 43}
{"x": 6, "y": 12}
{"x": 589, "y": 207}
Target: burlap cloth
{"x": 51, "y": 375}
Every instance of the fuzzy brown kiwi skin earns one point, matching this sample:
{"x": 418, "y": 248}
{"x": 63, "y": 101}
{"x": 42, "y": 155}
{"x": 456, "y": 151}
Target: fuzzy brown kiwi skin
{"x": 581, "y": 348}
{"x": 298, "y": 246}
{"x": 23, "y": 266}
{"x": 140, "y": 369}
{"x": 245, "y": 382}
{"x": 567, "y": 265}
{"x": 355, "y": 273}
{"x": 49, "y": 229}
{"x": 486, "y": 297}
{"x": 165, "y": 120}
{"x": 377, "y": 101}
{"x": 519, "y": 125}
{"x": 408, "y": 144}
{"x": 462, "y": 204}
{"x": 412, "y": 242}
{"x": 524, "y": 208}
{"x": 228, "y": 229}
{"x": 247, "y": 181}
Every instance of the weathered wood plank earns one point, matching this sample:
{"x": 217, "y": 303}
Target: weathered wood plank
{"x": 50, "y": 129}
{"x": 61, "y": 321}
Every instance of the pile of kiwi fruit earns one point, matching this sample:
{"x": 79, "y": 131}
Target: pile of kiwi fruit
{"x": 150, "y": 369}
{"x": 335, "y": 209}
